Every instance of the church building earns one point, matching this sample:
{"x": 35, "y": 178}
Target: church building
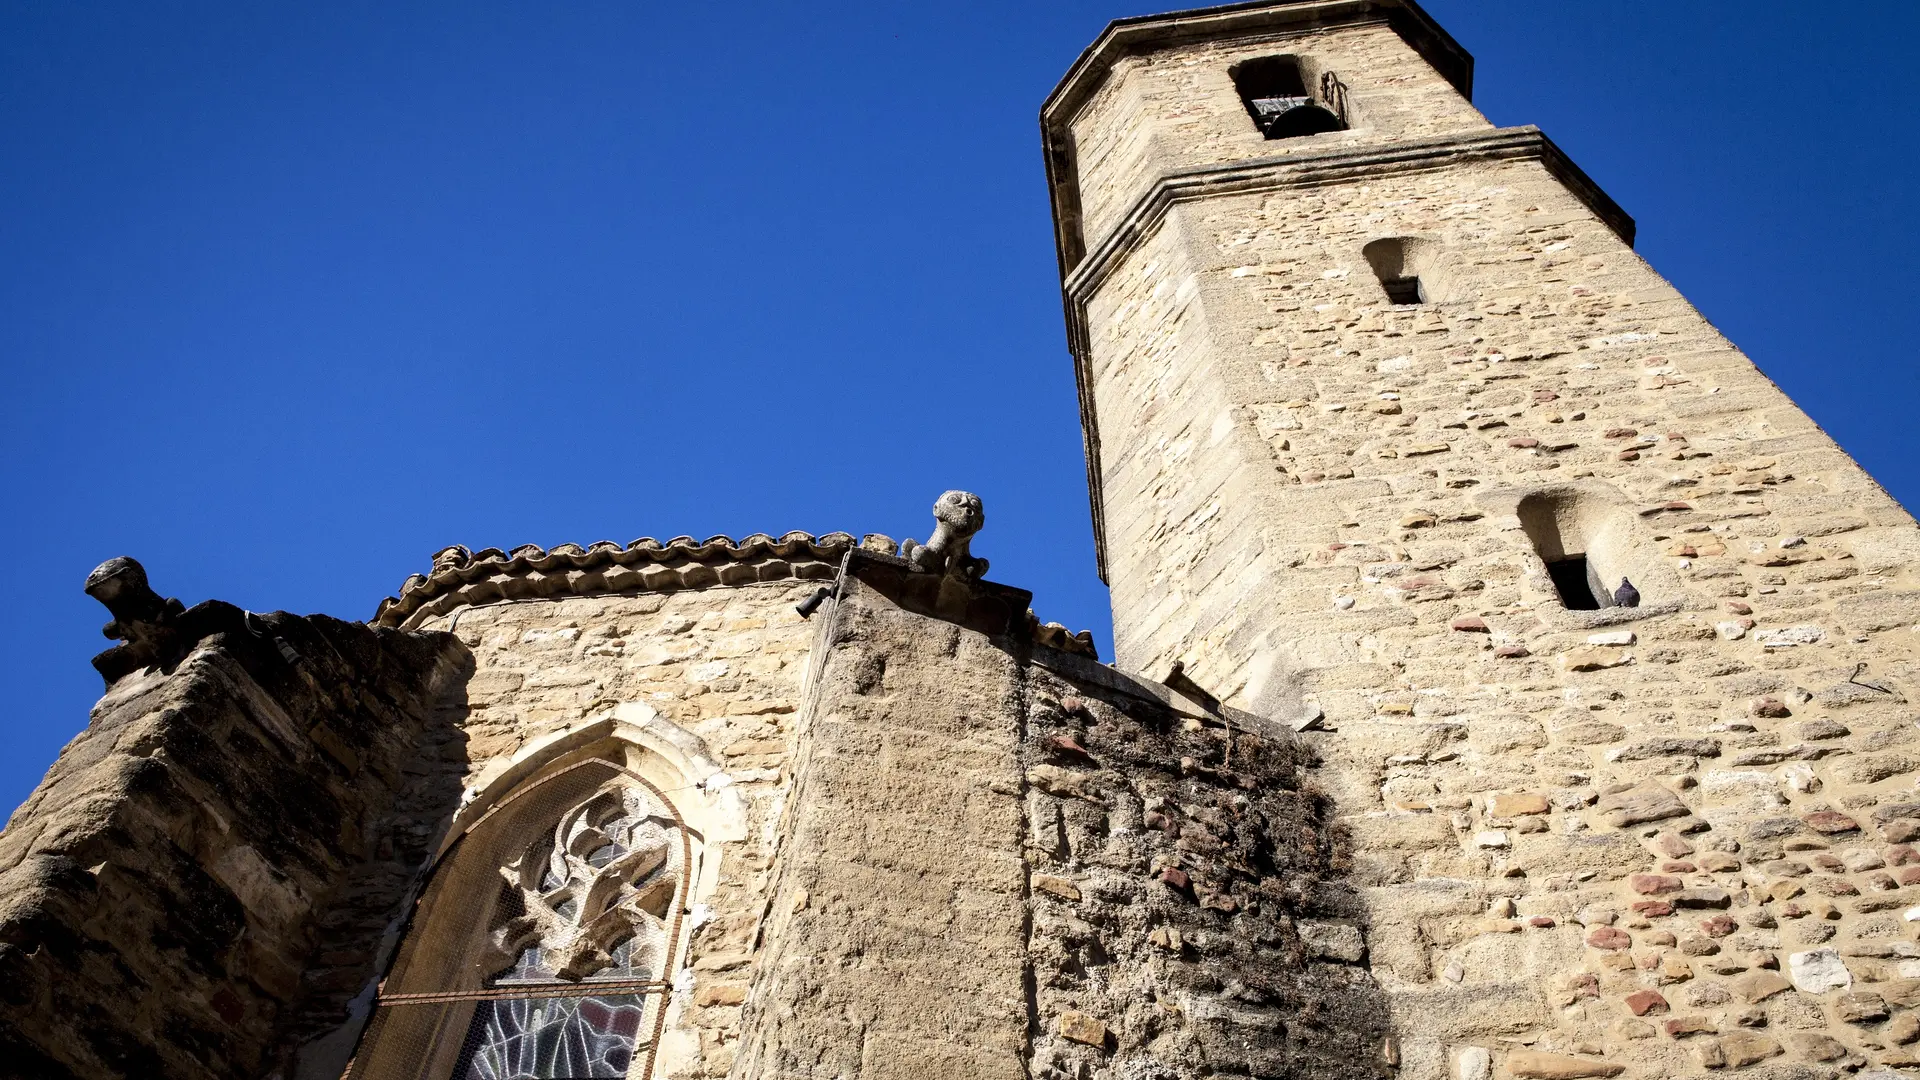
{"x": 1510, "y": 682}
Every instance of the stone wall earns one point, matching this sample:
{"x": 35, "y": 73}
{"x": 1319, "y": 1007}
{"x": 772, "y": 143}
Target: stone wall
{"x": 1189, "y": 913}
{"x": 1004, "y": 861}
{"x": 1661, "y": 839}
{"x": 1177, "y": 108}
{"x": 219, "y": 852}
{"x": 897, "y": 936}
{"x": 1459, "y": 830}
{"x": 726, "y": 664}
{"x": 952, "y": 848}
{"x": 1179, "y": 477}
{"x": 958, "y": 850}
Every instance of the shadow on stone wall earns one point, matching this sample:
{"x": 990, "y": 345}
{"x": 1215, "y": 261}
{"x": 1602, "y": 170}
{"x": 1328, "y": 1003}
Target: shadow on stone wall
{"x": 207, "y": 873}
{"x": 359, "y": 929}
{"x": 1001, "y": 851}
{"x": 1189, "y": 915}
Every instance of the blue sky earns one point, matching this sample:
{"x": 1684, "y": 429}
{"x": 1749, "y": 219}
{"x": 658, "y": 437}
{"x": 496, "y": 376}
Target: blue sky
{"x": 294, "y": 296}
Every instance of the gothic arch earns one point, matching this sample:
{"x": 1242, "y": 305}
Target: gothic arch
{"x": 555, "y": 916}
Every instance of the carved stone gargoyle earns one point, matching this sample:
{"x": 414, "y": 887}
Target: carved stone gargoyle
{"x": 146, "y": 622}
{"x": 958, "y": 515}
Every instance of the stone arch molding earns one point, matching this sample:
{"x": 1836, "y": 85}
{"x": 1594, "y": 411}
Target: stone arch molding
{"x": 567, "y": 879}
{"x": 669, "y": 755}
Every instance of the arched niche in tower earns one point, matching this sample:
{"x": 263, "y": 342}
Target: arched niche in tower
{"x": 1408, "y": 269}
{"x": 1275, "y": 91}
{"x": 1581, "y": 541}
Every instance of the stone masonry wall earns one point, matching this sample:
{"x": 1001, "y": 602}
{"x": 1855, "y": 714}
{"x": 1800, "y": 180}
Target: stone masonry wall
{"x": 1177, "y": 108}
{"x": 161, "y": 891}
{"x": 1647, "y": 842}
{"x": 1189, "y": 917}
{"x": 897, "y": 936}
{"x": 728, "y": 665}
{"x": 263, "y": 821}
{"x": 1179, "y": 484}
{"x": 1156, "y": 351}
{"x": 1002, "y": 861}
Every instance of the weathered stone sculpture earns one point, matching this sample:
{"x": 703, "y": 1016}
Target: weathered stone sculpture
{"x": 147, "y": 622}
{"x": 959, "y": 516}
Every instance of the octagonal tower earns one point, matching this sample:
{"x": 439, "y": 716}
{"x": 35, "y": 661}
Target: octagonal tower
{"x": 1391, "y": 436}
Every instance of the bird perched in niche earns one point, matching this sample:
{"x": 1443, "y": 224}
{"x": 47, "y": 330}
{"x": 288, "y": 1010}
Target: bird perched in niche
{"x": 1626, "y": 595}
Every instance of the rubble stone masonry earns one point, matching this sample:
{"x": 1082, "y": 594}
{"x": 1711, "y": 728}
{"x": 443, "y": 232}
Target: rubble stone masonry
{"x": 212, "y": 863}
{"x": 1395, "y": 775}
{"x": 1645, "y": 841}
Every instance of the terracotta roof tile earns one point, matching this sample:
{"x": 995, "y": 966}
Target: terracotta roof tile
{"x": 463, "y": 578}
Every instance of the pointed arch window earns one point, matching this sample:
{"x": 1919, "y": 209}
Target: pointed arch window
{"x": 545, "y": 942}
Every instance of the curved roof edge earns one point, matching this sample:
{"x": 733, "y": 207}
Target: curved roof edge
{"x": 465, "y": 579}
{"x": 462, "y": 578}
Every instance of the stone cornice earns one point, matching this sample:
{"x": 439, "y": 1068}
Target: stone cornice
{"x": 1079, "y": 283}
{"x": 1329, "y": 167}
{"x": 1256, "y": 21}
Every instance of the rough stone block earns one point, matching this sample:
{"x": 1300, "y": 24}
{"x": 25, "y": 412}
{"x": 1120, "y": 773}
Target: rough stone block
{"x": 1539, "y": 1065}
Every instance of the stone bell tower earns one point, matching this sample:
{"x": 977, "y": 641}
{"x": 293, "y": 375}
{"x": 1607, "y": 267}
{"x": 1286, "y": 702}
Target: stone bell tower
{"x": 1313, "y": 296}
{"x": 1392, "y": 437}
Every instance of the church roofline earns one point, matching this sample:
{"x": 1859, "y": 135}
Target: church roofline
{"x": 462, "y": 579}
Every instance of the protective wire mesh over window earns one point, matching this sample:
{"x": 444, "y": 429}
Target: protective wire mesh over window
{"x": 567, "y": 947}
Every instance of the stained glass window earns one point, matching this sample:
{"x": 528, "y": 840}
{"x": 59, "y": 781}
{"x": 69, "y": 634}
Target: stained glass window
{"x": 594, "y": 894}
{"x": 572, "y": 1038}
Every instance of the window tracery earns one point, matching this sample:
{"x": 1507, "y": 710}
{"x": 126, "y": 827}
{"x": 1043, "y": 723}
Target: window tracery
{"x": 591, "y": 899}
{"x": 543, "y": 951}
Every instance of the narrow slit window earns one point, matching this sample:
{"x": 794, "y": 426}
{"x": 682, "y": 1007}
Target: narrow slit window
{"x": 1402, "y": 265}
{"x": 1405, "y": 290}
{"x": 1276, "y": 96}
{"x": 1579, "y": 587}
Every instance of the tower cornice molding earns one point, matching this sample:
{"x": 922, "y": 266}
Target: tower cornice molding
{"x": 1150, "y": 210}
{"x": 1256, "y": 21}
{"x": 1331, "y": 167}
{"x": 1124, "y": 37}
